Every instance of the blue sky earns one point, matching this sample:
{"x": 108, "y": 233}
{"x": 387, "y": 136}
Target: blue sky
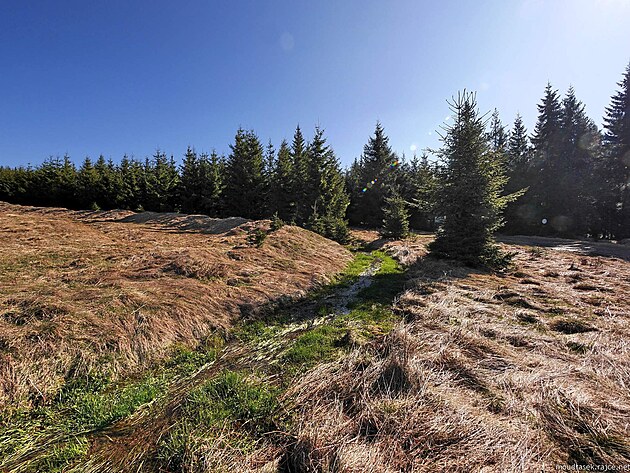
{"x": 114, "y": 77}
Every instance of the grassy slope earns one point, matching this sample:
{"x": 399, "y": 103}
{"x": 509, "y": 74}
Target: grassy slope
{"x": 99, "y": 316}
{"x": 514, "y": 372}
{"x": 91, "y": 293}
{"x": 465, "y": 369}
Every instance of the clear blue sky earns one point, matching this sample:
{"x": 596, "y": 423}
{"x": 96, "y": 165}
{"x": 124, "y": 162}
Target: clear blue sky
{"x": 114, "y": 77}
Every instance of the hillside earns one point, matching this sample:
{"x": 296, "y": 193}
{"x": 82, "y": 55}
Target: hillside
{"x": 114, "y": 291}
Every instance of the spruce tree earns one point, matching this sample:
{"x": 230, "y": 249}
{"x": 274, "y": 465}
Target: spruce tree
{"x": 374, "y": 181}
{"x": 211, "y": 177}
{"x": 300, "y": 176}
{"x": 326, "y": 195}
{"x": 518, "y": 168}
{"x": 66, "y": 184}
{"x": 282, "y": 187}
{"x": 46, "y": 178}
{"x": 7, "y": 184}
{"x": 421, "y": 192}
{"x": 87, "y": 182}
{"x": 469, "y": 198}
{"x": 161, "y": 181}
{"x": 244, "y": 179}
{"x": 614, "y": 170}
{"x": 129, "y": 194}
{"x": 542, "y": 197}
{"x": 115, "y": 183}
{"x": 190, "y": 186}
{"x": 24, "y": 184}
{"x": 106, "y": 186}
{"x": 518, "y": 146}
{"x": 579, "y": 151}
{"x": 269, "y": 165}
{"x": 395, "y": 216}
{"x": 497, "y": 135}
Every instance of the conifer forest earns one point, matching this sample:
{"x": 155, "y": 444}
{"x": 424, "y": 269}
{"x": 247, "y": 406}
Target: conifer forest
{"x": 568, "y": 177}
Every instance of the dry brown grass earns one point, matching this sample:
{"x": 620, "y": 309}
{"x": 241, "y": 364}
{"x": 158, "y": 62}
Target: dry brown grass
{"x": 489, "y": 372}
{"x": 97, "y": 291}
{"x": 486, "y": 372}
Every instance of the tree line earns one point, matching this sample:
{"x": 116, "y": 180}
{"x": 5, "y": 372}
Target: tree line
{"x": 302, "y": 183}
{"x": 568, "y": 178}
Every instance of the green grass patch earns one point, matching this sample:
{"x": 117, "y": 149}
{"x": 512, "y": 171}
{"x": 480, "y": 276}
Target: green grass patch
{"x": 387, "y": 282}
{"x": 349, "y": 275}
{"x": 62, "y": 455}
{"x": 254, "y": 331}
{"x": 360, "y": 263}
{"x": 185, "y": 361}
{"x": 369, "y": 314}
{"x": 82, "y": 406}
{"x": 371, "y": 319}
{"x": 234, "y": 405}
{"x": 314, "y": 346}
{"x": 87, "y": 403}
{"x": 95, "y": 410}
{"x": 232, "y": 397}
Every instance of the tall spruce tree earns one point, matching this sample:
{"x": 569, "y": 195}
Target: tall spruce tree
{"x": 129, "y": 194}
{"x": 544, "y": 213}
{"x": 518, "y": 168}
{"x": 469, "y": 198}
{"x": 326, "y": 195}
{"x": 518, "y": 147}
{"x": 579, "y": 151}
{"x": 421, "y": 192}
{"x": 105, "y": 183}
{"x": 614, "y": 169}
{"x": 87, "y": 181}
{"x": 161, "y": 181}
{"x": 211, "y": 178}
{"x": 374, "y": 180}
{"x": 497, "y": 135}
{"x": 299, "y": 160}
{"x": 269, "y": 165}
{"x": 243, "y": 195}
{"x": 190, "y": 185}
{"x": 7, "y": 184}
{"x": 54, "y": 182}
{"x": 282, "y": 183}
{"x": 66, "y": 184}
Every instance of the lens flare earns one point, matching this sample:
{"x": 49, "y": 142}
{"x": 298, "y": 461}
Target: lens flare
{"x": 373, "y": 182}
